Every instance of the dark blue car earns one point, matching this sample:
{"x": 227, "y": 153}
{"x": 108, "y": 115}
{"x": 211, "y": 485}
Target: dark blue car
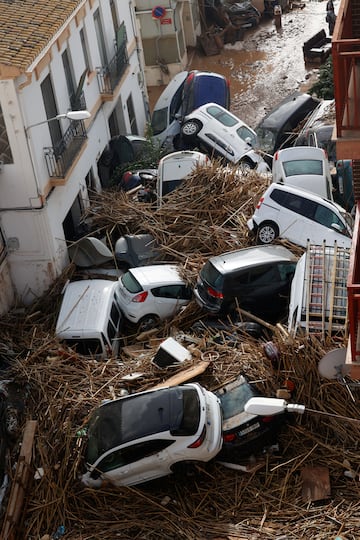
{"x": 203, "y": 87}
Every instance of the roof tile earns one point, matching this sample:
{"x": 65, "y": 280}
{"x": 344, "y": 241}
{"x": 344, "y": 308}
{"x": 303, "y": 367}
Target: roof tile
{"x": 27, "y": 26}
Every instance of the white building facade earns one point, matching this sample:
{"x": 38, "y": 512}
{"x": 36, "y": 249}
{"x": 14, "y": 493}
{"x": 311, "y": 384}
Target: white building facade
{"x": 168, "y": 28}
{"x": 74, "y": 55}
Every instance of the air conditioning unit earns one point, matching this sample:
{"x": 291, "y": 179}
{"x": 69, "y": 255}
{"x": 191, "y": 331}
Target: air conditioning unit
{"x": 170, "y": 353}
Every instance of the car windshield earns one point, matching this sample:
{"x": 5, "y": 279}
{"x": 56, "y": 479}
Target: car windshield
{"x": 233, "y": 401}
{"x": 303, "y": 166}
{"x": 130, "y": 283}
{"x": 159, "y": 121}
{"x": 212, "y": 276}
{"x": 266, "y": 139}
{"x": 175, "y": 410}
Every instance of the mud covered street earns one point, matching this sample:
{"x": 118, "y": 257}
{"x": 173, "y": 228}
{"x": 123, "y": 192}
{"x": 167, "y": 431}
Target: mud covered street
{"x": 268, "y": 64}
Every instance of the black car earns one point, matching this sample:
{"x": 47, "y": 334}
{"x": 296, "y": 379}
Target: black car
{"x": 254, "y": 279}
{"x": 278, "y": 128}
{"x": 244, "y": 433}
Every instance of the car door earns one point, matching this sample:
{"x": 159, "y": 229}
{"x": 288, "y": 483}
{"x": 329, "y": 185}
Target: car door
{"x": 135, "y": 463}
{"x": 170, "y": 298}
{"x": 265, "y": 289}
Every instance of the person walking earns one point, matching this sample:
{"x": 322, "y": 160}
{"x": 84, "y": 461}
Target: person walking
{"x": 330, "y": 16}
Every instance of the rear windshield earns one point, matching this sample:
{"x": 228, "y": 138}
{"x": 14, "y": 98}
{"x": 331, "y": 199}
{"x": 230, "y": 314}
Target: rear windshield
{"x": 176, "y": 410}
{"x": 130, "y": 283}
{"x": 212, "y": 276}
{"x": 303, "y": 166}
{"x": 86, "y": 347}
{"x": 233, "y": 401}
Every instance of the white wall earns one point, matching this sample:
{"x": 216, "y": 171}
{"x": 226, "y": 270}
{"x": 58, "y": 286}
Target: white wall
{"x": 31, "y": 212}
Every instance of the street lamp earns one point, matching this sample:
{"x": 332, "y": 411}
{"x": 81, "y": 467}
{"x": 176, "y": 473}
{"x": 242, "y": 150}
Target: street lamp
{"x": 71, "y": 115}
{"x": 271, "y": 406}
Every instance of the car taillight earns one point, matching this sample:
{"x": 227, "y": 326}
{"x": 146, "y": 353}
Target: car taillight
{"x": 214, "y": 293}
{"x": 190, "y": 77}
{"x": 276, "y": 156}
{"x": 230, "y": 437}
{"x": 267, "y": 419}
{"x": 260, "y": 203}
{"x": 200, "y": 440}
{"x": 141, "y": 297}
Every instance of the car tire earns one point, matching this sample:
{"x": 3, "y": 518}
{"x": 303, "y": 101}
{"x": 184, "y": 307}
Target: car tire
{"x": 190, "y": 129}
{"x": 148, "y": 322}
{"x": 246, "y": 165}
{"x": 267, "y": 232}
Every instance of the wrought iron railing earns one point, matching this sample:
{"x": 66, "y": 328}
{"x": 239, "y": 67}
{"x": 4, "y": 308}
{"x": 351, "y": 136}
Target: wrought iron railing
{"x": 60, "y": 157}
{"x": 110, "y": 75}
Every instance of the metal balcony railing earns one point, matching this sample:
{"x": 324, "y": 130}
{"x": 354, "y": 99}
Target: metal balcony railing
{"x": 110, "y": 75}
{"x": 60, "y": 157}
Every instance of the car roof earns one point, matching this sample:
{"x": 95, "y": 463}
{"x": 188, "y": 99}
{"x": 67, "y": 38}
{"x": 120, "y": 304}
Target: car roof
{"x": 161, "y": 408}
{"x": 300, "y": 152}
{"x": 248, "y": 257}
{"x": 156, "y": 274}
{"x": 283, "y": 111}
{"x": 89, "y": 297}
{"x": 203, "y": 110}
{"x": 302, "y": 193}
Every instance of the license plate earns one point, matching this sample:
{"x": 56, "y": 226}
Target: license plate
{"x": 248, "y": 429}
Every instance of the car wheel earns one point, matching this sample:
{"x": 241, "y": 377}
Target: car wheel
{"x": 246, "y": 165}
{"x": 148, "y": 323}
{"x": 191, "y": 128}
{"x": 267, "y": 232}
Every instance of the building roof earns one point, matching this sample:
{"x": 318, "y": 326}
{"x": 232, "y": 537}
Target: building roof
{"x": 27, "y": 26}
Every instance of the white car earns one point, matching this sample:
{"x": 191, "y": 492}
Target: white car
{"x": 223, "y": 134}
{"x": 301, "y": 217}
{"x": 304, "y": 167}
{"x": 149, "y": 294}
{"x": 144, "y": 436}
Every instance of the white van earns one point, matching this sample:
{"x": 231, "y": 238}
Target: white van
{"x": 90, "y": 318}
{"x": 299, "y": 216}
{"x": 318, "y": 298}
{"x": 174, "y": 167}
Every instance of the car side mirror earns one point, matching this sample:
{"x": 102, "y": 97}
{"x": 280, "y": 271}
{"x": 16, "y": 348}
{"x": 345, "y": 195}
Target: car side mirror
{"x": 337, "y": 227}
{"x": 248, "y": 141}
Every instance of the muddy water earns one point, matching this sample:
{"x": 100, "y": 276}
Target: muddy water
{"x": 268, "y": 64}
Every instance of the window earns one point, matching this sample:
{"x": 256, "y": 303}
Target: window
{"x": 297, "y": 204}
{"x": 179, "y": 291}
{"x": 100, "y": 38}
{"x": 245, "y": 133}
{"x": 85, "y": 49}
{"x": 114, "y": 16}
{"x": 69, "y": 74}
{"x": 221, "y": 116}
{"x": 51, "y": 111}
{"x": 131, "y": 113}
{"x": 5, "y": 150}
{"x": 86, "y": 347}
{"x": 327, "y": 217}
{"x": 132, "y": 453}
{"x": 303, "y": 166}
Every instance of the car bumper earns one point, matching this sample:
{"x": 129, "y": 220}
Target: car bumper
{"x": 205, "y": 305}
{"x": 252, "y": 225}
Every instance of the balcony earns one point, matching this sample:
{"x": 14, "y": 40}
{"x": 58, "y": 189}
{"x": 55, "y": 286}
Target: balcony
{"x": 110, "y": 75}
{"x": 346, "y": 65}
{"x": 59, "y": 158}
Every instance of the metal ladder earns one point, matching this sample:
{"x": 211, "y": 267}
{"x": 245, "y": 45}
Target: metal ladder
{"x": 316, "y": 289}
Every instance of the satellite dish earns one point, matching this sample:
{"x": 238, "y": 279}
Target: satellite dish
{"x": 332, "y": 365}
